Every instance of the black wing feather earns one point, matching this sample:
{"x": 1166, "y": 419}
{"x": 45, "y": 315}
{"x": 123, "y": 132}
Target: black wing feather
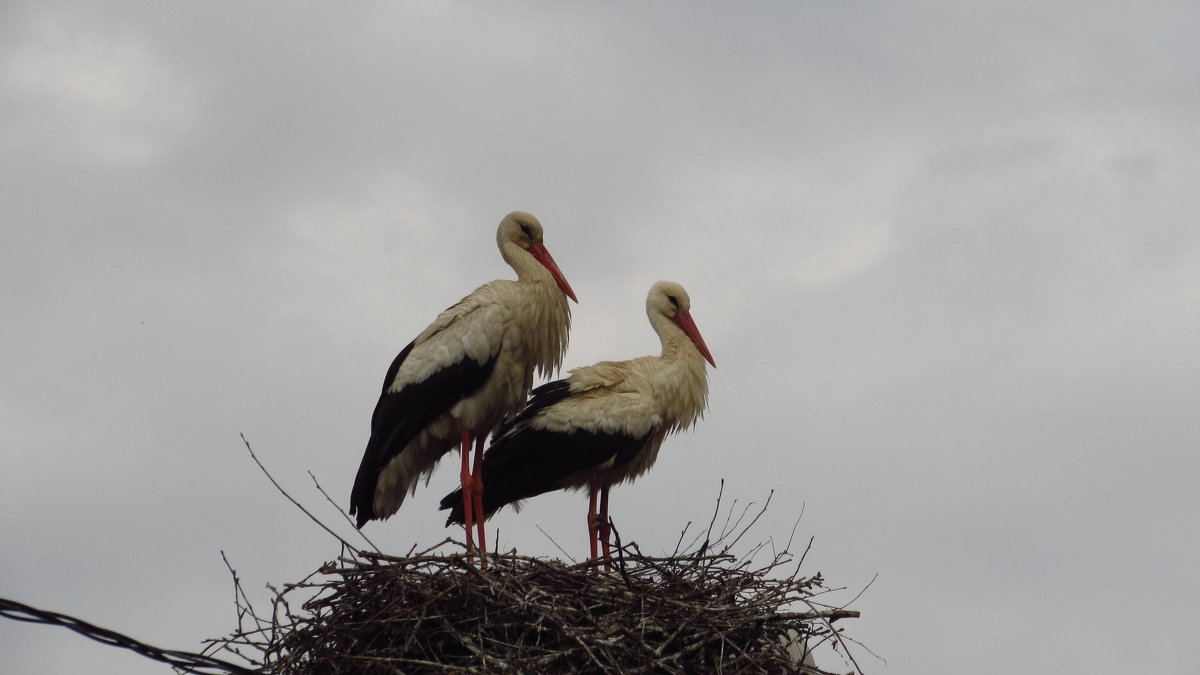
{"x": 400, "y": 416}
{"x": 527, "y": 462}
{"x": 541, "y": 397}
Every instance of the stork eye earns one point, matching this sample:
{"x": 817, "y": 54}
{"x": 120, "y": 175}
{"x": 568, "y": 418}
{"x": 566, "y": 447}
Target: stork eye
{"x": 528, "y": 232}
{"x": 674, "y": 302}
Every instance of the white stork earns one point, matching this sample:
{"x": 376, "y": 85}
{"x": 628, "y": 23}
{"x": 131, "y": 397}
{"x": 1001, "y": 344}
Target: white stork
{"x": 464, "y": 374}
{"x": 603, "y": 424}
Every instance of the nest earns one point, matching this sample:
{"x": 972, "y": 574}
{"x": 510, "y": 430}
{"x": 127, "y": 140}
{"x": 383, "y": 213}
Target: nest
{"x": 437, "y": 611}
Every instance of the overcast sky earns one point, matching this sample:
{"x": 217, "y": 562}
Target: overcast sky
{"x": 946, "y": 256}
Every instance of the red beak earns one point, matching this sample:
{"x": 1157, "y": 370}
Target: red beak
{"x": 684, "y": 321}
{"x": 543, "y": 256}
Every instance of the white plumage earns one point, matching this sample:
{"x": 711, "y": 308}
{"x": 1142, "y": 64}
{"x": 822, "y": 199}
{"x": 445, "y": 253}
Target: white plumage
{"x": 465, "y": 373}
{"x": 604, "y": 424}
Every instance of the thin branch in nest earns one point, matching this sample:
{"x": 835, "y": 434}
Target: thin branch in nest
{"x": 341, "y": 511}
{"x": 568, "y": 556}
{"x": 716, "y": 510}
{"x": 292, "y": 500}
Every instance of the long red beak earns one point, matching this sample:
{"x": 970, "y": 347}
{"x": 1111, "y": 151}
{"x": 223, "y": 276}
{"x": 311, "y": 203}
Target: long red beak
{"x": 543, "y": 256}
{"x": 684, "y": 321}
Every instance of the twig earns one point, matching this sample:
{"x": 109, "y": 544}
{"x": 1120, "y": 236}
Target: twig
{"x": 290, "y": 499}
{"x": 560, "y": 549}
{"x": 345, "y": 516}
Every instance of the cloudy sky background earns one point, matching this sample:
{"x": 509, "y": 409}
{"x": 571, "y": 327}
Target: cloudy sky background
{"x": 946, "y": 256}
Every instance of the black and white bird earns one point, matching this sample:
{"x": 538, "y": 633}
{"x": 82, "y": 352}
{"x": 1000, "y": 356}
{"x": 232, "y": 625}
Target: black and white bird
{"x": 602, "y": 425}
{"x": 463, "y": 375}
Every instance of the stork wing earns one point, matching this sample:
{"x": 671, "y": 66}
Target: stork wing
{"x": 558, "y": 435}
{"x": 447, "y": 362}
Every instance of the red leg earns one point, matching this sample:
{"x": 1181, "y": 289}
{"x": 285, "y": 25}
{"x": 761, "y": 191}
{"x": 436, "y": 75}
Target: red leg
{"x": 605, "y": 528}
{"x": 468, "y": 486}
{"x": 477, "y": 484}
{"x": 593, "y": 531}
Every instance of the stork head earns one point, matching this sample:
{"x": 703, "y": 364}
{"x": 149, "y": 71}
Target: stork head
{"x": 522, "y": 230}
{"x": 668, "y": 299}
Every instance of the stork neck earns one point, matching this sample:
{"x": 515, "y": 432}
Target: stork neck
{"x": 544, "y": 306}
{"x": 684, "y": 387}
{"x": 675, "y": 343}
{"x": 524, "y": 264}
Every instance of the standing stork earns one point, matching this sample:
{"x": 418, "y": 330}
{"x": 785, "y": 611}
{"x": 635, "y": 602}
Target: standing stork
{"x": 464, "y": 374}
{"x": 603, "y": 424}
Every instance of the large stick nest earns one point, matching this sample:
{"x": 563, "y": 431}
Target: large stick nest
{"x": 704, "y": 610}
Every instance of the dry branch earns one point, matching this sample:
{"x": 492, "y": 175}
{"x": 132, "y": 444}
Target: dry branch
{"x": 699, "y": 609}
